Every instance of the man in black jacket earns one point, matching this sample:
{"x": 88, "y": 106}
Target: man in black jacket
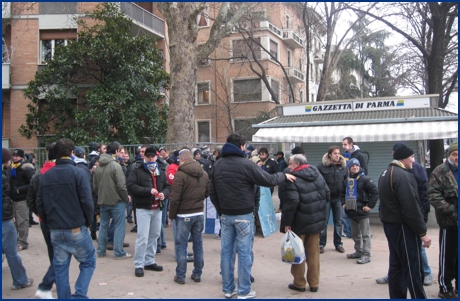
{"x": 68, "y": 221}
{"x": 304, "y": 212}
{"x": 353, "y": 151}
{"x": 232, "y": 193}
{"x": 20, "y": 175}
{"x": 333, "y": 168}
{"x": 404, "y": 226}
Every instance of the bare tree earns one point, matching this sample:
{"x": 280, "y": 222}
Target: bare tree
{"x": 186, "y": 54}
{"x": 431, "y": 29}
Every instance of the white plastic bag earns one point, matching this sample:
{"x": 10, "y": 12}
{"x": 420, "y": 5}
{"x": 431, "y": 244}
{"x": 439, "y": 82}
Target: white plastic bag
{"x": 292, "y": 249}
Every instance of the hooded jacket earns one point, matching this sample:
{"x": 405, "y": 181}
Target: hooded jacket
{"x": 304, "y": 208}
{"x": 399, "y": 199}
{"x": 20, "y": 183}
{"x": 140, "y": 184}
{"x": 109, "y": 182}
{"x": 190, "y": 188}
{"x": 232, "y": 181}
{"x": 334, "y": 175}
{"x": 443, "y": 195}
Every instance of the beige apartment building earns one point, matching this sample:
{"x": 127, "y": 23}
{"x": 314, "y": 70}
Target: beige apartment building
{"x": 31, "y": 31}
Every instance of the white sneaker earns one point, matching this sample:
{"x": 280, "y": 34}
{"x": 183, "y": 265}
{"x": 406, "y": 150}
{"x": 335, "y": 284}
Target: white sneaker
{"x": 127, "y": 255}
{"x": 230, "y": 295}
{"x": 428, "y": 280}
{"x": 251, "y": 295}
{"x": 43, "y": 294}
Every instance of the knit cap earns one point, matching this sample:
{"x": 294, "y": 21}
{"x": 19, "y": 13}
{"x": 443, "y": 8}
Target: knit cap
{"x": 353, "y": 161}
{"x": 453, "y": 147}
{"x": 402, "y": 152}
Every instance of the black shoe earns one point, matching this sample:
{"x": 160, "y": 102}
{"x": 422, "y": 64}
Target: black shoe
{"x": 448, "y": 295}
{"x": 190, "y": 258}
{"x": 189, "y": 254}
{"x": 292, "y": 287}
{"x": 252, "y": 279}
{"x": 130, "y": 221}
{"x": 177, "y": 280}
{"x": 163, "y": 247}
{"x": 158, "y": 251}
{"x": 134, "y": 230}
{"x": 154, "y": 267}
{"x": 109, "y": 246}
{"x": 314, "y": 289}
{"x": 32, "y": 222}
{"x": 93, "y": 235}
{"x": 139, "y": 272}
{"x": 196, "y": 278}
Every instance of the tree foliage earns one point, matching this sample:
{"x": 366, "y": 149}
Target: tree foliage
{"x": 104, "y": 86}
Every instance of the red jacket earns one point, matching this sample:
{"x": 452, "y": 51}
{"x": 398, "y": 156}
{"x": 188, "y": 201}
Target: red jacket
{"x": 171, "y": 172}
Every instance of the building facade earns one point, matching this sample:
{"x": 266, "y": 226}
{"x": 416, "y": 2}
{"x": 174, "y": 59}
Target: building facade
{"x": 30, "y": 33}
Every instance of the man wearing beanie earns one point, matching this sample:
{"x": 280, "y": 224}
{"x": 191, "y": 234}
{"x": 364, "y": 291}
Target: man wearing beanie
{"x": 403, "y": 224}
{"x": 443, "y": 196}
{"x": 421, "y": 178}
{"x": 20, "y": 175}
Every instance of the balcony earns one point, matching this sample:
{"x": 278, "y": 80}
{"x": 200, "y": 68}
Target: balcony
{"x": 268, "y": 25}
{"x": 6, "y": 83}
{"x": 295, "y": 74}
{"x": 318, "y": 56}
{"x": 145, "y": 23}
{"x": 292, "y": 39}
{"x": 6, "y": 10}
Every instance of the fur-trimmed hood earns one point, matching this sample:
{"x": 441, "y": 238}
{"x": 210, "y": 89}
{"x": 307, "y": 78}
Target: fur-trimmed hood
{"x": 327, "y": 162}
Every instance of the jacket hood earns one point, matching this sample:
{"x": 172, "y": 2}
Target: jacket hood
{"x": 192, "y": 168}
{"x": 105, "y": 159}
{"x": 79, "y": 160}
{"x": 230, "y": 149}
{"x": 47, "y": 166}
{"x": 306, "y": 172}
{"x": 327, "y": 162}
{"x": 27, "y": 165}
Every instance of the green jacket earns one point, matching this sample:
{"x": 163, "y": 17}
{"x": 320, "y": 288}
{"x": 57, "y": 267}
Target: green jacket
{"x": 443, "y": 195}
{"x": 109, "y": 182}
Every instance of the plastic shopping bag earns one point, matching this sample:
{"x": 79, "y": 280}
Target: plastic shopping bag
{"x": 292, "y": 249}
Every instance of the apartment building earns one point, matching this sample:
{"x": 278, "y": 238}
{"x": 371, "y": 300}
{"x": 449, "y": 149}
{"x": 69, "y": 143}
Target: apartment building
{"x": 229, "y": 95}
{"x": 30, "y": 33}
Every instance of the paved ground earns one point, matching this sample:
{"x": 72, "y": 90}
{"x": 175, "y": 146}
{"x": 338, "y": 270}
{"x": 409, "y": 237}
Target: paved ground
{"x": 341, "y": 278}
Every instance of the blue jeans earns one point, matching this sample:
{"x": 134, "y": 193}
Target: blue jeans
{"x": 186, "y": 226}
{"x": 80, "y": 245}
{"x": 164, "y": 217}
{"x": 425, "y": 265}
{"x": 174, "y": 227}
{"x": 117, "y": 213}
{"x": 111, "y": 232}
{"x": 10, "y": 248}
{"x": 346, "y": 224}
{"x": 336, "y": 207}
{"x": 148, "y": 231}
{"x": 239, "y": 229}
{"x": 129, "y": 210}
{"x": 50, "y": 277}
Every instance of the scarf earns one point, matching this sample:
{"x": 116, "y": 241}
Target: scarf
{"x": 14, "y": 167}
{"x": 351, "y": 194}
{"x": 152, "y": 167}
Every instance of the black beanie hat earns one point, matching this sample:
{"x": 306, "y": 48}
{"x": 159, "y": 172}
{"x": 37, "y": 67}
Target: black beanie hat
{"x": 402, "y": 152}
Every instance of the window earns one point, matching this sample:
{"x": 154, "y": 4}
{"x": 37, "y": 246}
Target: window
{"x": 288, "y": 23}
{"x": 242, "y": 51}
{"x": 247, "y": 90}
{"x": 51, "y": 39}
{"x": 289, "y": 58}
{"x": 203, "y": 18}
{"x": 300, "y": 64}
{"x": 301, "y": 96}
{"x": 204, "y": 130}
{"x": 273, "y": 50}
{"x": 244, "y": 127}
{"x": 203, "y": 93}
{"x": 275, "y": 87}
{"x": 291, "y": 99}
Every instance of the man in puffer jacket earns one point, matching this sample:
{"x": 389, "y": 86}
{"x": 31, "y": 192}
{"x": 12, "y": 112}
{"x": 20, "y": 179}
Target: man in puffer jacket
{"x": 304, "y": 212}
{"x": 360, "y": 196}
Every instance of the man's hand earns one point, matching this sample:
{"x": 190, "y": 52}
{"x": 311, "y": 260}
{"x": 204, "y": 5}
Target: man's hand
{"x": 161, "y": 196}
{"x": 287, "y": 228}
{"x": 290, "y": 177}
{"x": 426, "y": 241}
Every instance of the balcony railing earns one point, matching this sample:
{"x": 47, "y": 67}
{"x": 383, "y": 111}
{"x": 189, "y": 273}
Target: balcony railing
{"x": 144, "y": 17}
{"x": 292, "y": 39}
{"x": 6, "y": 83}
{"x": 268, "y": 25}
{"x": 295, "y": 74}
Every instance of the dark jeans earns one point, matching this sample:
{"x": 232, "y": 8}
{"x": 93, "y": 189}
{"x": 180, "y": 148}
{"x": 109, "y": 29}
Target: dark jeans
{"x": 336, "y": 207}
{"x": 50, "y": 276}
{"x": 405, "y": 271}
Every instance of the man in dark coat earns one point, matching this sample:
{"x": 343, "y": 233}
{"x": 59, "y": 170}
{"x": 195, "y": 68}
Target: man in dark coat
{"x": 304, "y": 212}
{"x": 232, "y": 193}
{"x": 404, "y": 226}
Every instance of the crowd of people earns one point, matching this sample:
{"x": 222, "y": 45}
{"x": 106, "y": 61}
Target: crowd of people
{"x": 106, "y": 189}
